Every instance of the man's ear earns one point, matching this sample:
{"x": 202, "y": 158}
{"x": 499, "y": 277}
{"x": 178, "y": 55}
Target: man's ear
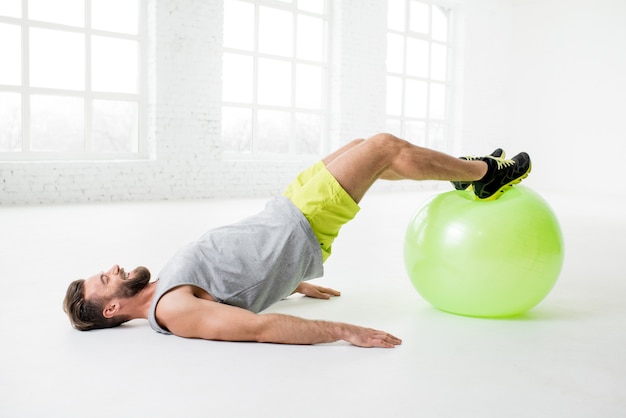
{"x": 111, "y": 309}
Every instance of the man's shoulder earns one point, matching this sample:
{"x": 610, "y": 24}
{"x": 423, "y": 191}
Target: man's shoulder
{"x": 179, "y": 297}
{"x": 172, "y": 305}
{"x": 179, "y": 309}
{"x": 173, "y": 300}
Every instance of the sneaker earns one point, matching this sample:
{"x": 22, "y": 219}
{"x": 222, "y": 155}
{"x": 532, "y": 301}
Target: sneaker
{"x": 501, "y": 175}
{"x": 462, "y": 185}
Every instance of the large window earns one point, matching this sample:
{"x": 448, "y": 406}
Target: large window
{"x": 418, "y": 81}
{"x": 69, "y": 79}
{"x": 274, "y": 77}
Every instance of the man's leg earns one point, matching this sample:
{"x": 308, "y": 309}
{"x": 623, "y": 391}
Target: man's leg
{"x": 360, "y": 163}
{"x": 330, "y": 158}
{"x": 310, "y": 172}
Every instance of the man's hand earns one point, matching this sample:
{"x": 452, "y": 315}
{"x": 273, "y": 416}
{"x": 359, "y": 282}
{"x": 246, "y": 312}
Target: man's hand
{"x": 367, "y": 337}
{"x": 316, "y": 292}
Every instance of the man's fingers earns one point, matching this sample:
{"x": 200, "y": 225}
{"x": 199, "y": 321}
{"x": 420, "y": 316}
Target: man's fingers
{"x": 393, "y": 339}
{"x": 389, "y": 341}
{"x": 375, "y": 338}
{"x": 329, "y": 291}
{"x": 318, "y": 292}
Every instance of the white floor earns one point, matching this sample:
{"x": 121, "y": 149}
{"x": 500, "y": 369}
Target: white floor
{"x": 565, "y": 358}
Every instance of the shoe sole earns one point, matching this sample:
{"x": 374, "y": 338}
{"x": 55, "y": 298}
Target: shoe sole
{"x": 460, "y": 187}
{"x": 501, "y": 190}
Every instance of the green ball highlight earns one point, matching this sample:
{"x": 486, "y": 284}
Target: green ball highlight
{"x": 485, "y": 259}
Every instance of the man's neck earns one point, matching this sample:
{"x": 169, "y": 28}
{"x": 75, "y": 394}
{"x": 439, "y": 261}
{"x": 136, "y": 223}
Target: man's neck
{"x": 142, "y": 301}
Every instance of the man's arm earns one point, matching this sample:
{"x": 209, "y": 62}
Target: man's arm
{"x": 192, "y": 317}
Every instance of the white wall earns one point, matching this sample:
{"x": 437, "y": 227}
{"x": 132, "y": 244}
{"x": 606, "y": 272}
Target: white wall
{"x": 484, "y": 75}
{"x": 547, "y": 77}
{"x": 184, "y": 115}
{"x": 542, "y": 76}
{"x": 569, "y": 89}
{"x": 358, "y": 53}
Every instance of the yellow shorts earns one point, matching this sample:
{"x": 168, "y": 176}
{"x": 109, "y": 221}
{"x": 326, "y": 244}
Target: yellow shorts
{"x": 323, "y": 201}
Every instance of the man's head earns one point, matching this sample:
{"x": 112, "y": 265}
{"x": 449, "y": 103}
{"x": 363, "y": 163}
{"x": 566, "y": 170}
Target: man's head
{"x": 97, "y": 301}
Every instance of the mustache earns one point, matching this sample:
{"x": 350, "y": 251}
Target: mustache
{"x": 130, "y": 287}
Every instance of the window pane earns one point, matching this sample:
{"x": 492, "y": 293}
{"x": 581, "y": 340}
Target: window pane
{"x": 417, "y": 57}
{"x": 274, "y": 82}
{"x": 396, "y": 14}
{"x": 237, "y": 129}
{"x": 437, "y": 101}
{"x": 437, "y": 137}
{"x": 115, "y": 15}
{"x": 394, "y": 127}
{"x": 314, "y": 6}
{"x": 310, "y": 38}
{"x": 273, "y": 130}
{"x": 66, "y": 12}
{"x": 57, "y": 59}
{"x": 10, "y": 51}
{"x": 417, "y": 93}
{"x": 395, "y": 53}
{"x": 419, "y": 17}
{"x": 394, "y": 96}
{"x": 275, "y": 31}
{"x": 440, "y": 23}
{"x": 239, "y": 25}
{"x": 439, "y": 57}
{"x": 56, "y": 123}
{"x": 11, "y": 8}
{"x": 308, "y": 86}
{"x": 115, "y": 126}
{"x": 415, "y": 132}
{"x": 114, "y": 65}
{"x": 308, "y": 133}
{"x": 10, "y": 122}
{"x": 237, "y": 78}
{"x": 415, "y": 99}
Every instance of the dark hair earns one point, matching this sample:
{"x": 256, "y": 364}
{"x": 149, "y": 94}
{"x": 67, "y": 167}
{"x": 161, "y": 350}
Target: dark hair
{"x": 87, "y": 314}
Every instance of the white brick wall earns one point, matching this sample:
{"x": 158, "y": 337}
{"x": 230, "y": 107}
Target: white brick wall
{"x": 184, "y": 91}
{"x": 358, "y": 54}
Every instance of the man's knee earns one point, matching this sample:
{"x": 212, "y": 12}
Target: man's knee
{"x": 387, "y": 142}
{"x": 355, "y": 142}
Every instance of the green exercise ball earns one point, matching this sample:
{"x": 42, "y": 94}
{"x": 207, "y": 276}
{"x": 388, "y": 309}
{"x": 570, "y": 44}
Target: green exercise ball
{"x": 486, "y": 259}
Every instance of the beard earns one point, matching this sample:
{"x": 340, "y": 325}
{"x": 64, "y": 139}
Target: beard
{"x": 135, "y": 284}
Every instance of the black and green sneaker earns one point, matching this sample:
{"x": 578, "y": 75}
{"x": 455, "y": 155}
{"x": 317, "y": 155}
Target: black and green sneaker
{"x": 501, "y": 175}
{"x": 462, "y": 185}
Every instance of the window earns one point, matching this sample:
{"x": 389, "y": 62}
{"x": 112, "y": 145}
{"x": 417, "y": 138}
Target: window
{"x": 274, "y": 77}
{"x": 418, "y": 81}
{"x": 69, "y": 79}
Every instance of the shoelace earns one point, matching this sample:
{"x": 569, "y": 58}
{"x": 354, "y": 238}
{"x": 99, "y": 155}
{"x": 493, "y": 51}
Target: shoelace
{"x": 471, "y": 157}
{"x": 502, "y": 163}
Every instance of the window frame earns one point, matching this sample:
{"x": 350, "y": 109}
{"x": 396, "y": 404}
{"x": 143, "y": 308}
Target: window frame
{"x": 428, "y": 121}
{"x": 25, "y": 90}
{"x": 292, "y": 109}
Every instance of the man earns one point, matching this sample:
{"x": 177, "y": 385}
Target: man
{"x": 214, "y": 288}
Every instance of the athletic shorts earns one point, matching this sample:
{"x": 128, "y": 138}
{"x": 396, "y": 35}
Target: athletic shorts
{"x": 323, "y": 201}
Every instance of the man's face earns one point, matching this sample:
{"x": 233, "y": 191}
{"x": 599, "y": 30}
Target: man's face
{"x": 116, "y": 283}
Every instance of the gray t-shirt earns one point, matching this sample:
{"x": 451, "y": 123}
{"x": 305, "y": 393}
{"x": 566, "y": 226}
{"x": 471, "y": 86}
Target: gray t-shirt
{"x": 251, "y": 264}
